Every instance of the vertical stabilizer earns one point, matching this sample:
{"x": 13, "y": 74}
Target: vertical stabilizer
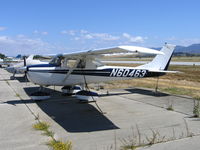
{"x": 30, "y": 57}
{"x": 161, "y": 62}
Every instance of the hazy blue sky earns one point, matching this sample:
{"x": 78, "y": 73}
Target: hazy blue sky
{"x": 55, "y": 26}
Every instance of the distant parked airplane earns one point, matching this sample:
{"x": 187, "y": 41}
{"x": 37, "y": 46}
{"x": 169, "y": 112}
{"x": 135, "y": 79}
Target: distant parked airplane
{"x": 7, "y": 61}
{"x": 15, "y": 68}
{"x": 1, "y": 62}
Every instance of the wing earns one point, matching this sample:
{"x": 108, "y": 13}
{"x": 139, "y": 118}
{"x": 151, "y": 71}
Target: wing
{"x": 113, "y": 50}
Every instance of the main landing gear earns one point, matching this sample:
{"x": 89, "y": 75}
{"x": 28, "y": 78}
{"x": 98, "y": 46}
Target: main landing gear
{"x": 40, "y": 95}
{"x": 70, "y": 90}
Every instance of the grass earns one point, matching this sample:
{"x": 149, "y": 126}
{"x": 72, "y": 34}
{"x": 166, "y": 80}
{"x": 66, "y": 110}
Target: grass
{"x": 189, "y": 73}
{"x": 17, "y": 95}
{"x": 49, "y": 133}
{"x": 170, "y": 108}
{"x": 53, "y": 143}
{"x": 8, "y": 83}
{"x": 170, "y": 105}
{"x": 196, "y": 98}
{"x": 177, "y": 91}
{"x": 196, "y": 109}
{"x": 43, "y": 126}
{"x": 59, "y": 145}
{"x": 134, "y": 141}
{"x": 130, "y": 147}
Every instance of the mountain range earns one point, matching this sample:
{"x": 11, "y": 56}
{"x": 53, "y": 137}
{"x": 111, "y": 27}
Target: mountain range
{"x": 192, "y": 49}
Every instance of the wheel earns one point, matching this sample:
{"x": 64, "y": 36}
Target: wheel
{"x": 12, "y": 78}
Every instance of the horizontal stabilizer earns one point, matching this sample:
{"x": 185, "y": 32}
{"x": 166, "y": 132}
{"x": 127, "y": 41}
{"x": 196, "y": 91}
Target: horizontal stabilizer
{"x": 164, "y": 71}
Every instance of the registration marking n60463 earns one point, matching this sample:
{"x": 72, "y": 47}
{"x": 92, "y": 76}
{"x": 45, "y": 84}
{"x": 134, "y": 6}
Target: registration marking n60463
{"x": 124, "y": 72}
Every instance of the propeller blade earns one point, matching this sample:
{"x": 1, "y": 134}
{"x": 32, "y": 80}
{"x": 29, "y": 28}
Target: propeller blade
{"x": 24, "y": 60}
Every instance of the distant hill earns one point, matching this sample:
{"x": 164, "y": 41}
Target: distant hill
{"x": 192, "y": 49}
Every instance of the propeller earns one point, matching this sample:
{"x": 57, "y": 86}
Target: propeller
{"x": 24, "y": 58}
{"x": 25, "y": 72}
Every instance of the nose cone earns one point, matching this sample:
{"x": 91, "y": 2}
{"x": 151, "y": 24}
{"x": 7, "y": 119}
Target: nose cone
{"x": 10, "y": 69}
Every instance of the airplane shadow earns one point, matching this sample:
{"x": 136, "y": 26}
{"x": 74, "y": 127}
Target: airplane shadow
{"x": 16, "y": 102}
{"x": 21, "y": 79}
{"x": 148, "y": 92}
{"x": 4, "y": 79}
{"x": 114, "y": 94}
{"x": 69, "y": 113}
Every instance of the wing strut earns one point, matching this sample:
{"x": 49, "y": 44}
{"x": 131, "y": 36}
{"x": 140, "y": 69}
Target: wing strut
{"x": 71, "y": 70}
{"x": 88, "y": 89}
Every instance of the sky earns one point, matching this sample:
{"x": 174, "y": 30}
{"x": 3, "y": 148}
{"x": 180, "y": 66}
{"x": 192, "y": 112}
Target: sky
{"x": 63, "y": 26}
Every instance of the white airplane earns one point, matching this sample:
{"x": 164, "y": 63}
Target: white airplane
{"x": 80, "y": 68}
{"x": 15, "y": 68}
{"x": 7, "y": 61}
{"x": 1, "y": 62}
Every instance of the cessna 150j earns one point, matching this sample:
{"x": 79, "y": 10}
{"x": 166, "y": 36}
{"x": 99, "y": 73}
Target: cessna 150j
{"x": 80, "y": 68}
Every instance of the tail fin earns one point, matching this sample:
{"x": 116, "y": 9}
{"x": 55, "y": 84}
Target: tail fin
{"x": 161, "y": 62}
{"x": 30, "y": 57}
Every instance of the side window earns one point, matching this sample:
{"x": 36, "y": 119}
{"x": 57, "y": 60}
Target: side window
{"x": 71, "y": 63}
{"x": 81, "y": 64}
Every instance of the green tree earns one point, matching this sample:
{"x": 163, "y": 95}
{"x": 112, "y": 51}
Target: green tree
{"x": 2, "y": 56}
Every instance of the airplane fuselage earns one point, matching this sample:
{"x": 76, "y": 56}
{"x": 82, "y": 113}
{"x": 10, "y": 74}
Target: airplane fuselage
{"x": 51, "y": 75}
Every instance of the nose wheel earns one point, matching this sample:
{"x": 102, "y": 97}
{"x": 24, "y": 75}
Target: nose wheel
{"x": 12, "y": 77}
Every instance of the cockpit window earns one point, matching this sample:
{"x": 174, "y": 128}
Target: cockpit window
{"x": 66, "y": 62}
{"x": 56, "y": 60}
